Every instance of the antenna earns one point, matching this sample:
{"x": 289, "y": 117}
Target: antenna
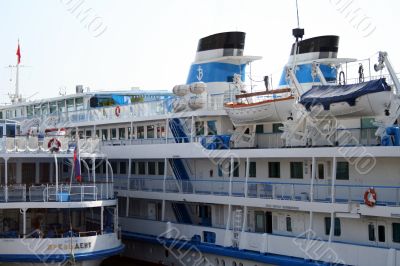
{"x": 297, "y": 10}
{"x": 298, "y": 33}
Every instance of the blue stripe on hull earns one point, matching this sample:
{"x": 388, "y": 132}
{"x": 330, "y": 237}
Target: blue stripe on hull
{"x": 43, "y": 258}
{"x": 303, "y": 74}
{"x": 215, "y": 72}
{"x": 225, "y": 251}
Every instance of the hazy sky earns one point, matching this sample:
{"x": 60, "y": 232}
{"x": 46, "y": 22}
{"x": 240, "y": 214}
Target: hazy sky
{"x": 111, "y": 45}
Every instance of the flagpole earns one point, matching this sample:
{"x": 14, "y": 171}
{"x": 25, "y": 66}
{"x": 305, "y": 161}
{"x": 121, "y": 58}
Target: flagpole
{"x": 17, "y": 83}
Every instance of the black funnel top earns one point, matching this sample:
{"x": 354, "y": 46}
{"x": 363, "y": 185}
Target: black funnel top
{"x": 328, "y": 43}
{"x": 224, "y": 40}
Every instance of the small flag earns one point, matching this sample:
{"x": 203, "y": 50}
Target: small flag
{"x": 18, "y": 54}
{"x": 77, "y": 165}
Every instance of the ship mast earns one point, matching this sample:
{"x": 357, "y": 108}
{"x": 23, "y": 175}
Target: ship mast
{"x": 16, "y": 97}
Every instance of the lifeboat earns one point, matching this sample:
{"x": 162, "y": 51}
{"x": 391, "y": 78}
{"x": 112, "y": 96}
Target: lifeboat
{"x": 198, "y": 87}
{"x": 179, "y": 105}
{"x": 370, "y": 98}
{"x": 196, "y": 102}
{"x": 261, "y": 107}
{"x": 180, "y": 90}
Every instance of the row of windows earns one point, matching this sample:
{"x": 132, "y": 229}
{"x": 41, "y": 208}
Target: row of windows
{"x": 296, "y": 170}
{"x": 138, "y": 168}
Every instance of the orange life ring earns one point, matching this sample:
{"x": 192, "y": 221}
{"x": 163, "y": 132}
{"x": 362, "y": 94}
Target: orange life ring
{"x": 117, "y": 111}
{"x": 54, "y": 145}
{"x": 370, "y": 197}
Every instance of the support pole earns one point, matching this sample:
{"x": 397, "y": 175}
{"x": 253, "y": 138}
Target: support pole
{"x": 331, "y": 231}
{"x": 231, "y": 176}
{"x": 6, "y": 178}
{"x": 101, "y": 219}
{"x": 246, "y": 189}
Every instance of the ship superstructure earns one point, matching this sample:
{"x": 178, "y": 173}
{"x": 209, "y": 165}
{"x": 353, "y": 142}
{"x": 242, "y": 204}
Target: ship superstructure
{"x": 219, "y": 174}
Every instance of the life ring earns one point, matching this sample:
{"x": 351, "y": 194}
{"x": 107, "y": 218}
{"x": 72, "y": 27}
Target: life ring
{"x": 54, "y": 145}
{"x": 370, "y": 197}
{"x": 117, "y": 111}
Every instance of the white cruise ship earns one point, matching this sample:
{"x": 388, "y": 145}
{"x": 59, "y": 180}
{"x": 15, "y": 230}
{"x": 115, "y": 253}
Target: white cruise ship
{"x": 216, "y": 173}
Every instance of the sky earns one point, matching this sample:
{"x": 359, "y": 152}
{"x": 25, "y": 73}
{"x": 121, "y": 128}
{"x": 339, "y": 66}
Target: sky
{"x": 150, "y": 44}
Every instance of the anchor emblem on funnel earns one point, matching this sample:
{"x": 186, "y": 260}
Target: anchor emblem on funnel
{"x": 199, "y": 73}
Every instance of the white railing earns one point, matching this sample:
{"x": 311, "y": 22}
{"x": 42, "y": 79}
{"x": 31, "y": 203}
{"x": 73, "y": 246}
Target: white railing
{"x": 388, "y": 195}
{"x": 34, "y": 144}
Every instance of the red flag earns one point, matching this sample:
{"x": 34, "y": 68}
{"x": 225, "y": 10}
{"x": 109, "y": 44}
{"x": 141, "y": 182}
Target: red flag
{"x": 18, "y": 54}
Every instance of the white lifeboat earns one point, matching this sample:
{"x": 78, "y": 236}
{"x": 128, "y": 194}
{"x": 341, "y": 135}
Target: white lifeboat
{"x": 179, "y": 105}
{"x": 180, "y": 90}
{"x": 196, "y": 102}
{"x": 198, "y": 87}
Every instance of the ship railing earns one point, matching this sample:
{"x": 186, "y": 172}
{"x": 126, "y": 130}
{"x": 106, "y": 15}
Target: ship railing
{"x": 322, "y": 192}
{"x": 35, "y": 144}
{"x": 13, "y": 193}
{"x": 84, "y": 192}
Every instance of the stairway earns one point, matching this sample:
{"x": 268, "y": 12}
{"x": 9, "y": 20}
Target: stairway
{"x": 178, "y": 131}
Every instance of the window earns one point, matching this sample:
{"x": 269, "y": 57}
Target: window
{"x": 199, "y": 127}
{"x": 371, "y": 232}
{"x": 321, "y": 172}
{"x": 235, "y": 169}
{"x": 161, "y": 167}
{"x": 70, "y": 105}
{"x": 259, "y": 129}
{"x": 396, "y": 232}
{"x": 79, "y": 104}
{"x": 288, "y": 223}
{"x": 336, "y": 228}
{"x": 151, "y": 168}
{"x": 121, "y": 133}
{"x": 381, "y": 233}
{"x": 342, "y": 171}
{"x": 296, "y": 170}
{"x": 253, "y": 169}
{"x": 122, "y": 168}
{"x": 220, "y": 171}
{"x": 274, "y": 169}
{"x": 133, "y": 168}
{"x": 53, "y": 107}
{"x": 140, "y": 132}
{"x": 30, "y": 111}
{"x": 161, "y": 132}
{"x": 150, "y": 132}
{"x": 212, "y": 127}
{"x": 142, "y": 168}
{"x": 88, "y": 133}
{"x": 275, "y": 128}
{"x": 113, "y": 133}
{"x": 104, "y": 134}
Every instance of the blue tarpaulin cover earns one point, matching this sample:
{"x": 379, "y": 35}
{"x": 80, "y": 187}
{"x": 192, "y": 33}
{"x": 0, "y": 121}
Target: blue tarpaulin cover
{"x": 325, "y": 95}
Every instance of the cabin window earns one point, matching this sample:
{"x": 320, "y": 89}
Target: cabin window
{"x": 199, "y": 128}
{"x": 133, "y": 168}
{"x": 140, "y": 132}
{"x": 142, "y": 168}
{"x": 161, "y": 166}
{"x": 53, "y": 107}
{"x": 371, "y": 232}
{"x": 235, "y": 169}
{"x": 88, "y": 133}
{"x": 342, "y": 171}
{"x": 61, "y": 106}
{"x": 79, "y": 104}
{"x": 336, "y": 228}
{"x": 45, "y": 109}
{"x": 1, "y": 131}
{"x": 396, "y": 232}
{"x": 259, "y": 129}
{"x": 1, "y": 115}
{"x": 160, "y": 132}
{"x": 296, "y": 170}
{"x": 253, "y": 169}
{"x": 381, "y": 233}
{"x": 10, "y": 131}
{"x": 212, "y": 127}
{"x": 274, "y": 169}
{"x": 288, "y": 223}
{"x": 104, "y": 134}
{"x": 150, "y": 132}
{"x": 275, "y": 128}
{"x": 122, "y": 168}
{"x": 70, "y": 105}
{"x": 121, "y": 133}
{"x": 321, "y": 172}
{"x": 113, "y": 133}
{"x": 37, "y": 110}
{"x": 151, "y": 168}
